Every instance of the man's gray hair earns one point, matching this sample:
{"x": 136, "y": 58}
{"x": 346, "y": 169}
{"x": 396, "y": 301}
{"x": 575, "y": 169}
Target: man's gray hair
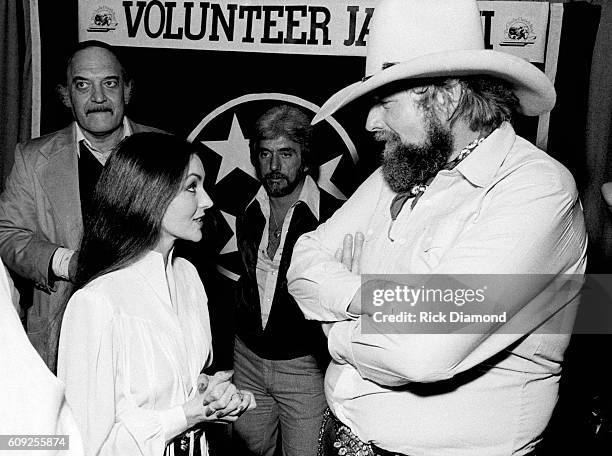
{"x": 485, "y": 101}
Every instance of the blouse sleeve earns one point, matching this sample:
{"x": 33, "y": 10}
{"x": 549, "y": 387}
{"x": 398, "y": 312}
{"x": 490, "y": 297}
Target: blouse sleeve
{"x": 89, "y": 353}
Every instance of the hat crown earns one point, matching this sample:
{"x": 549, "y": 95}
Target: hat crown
{"x": 403, "y": 30}
{"x": 416, "y": 39}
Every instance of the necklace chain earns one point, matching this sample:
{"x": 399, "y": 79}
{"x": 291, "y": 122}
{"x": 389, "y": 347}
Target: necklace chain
{"x": 277, "y": 230}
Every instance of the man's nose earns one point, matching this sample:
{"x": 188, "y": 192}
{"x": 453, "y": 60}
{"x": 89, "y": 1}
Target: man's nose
{"x": 275, "y": 162}
{"x": 98, "y": 94}
{"x": 374, "y": 120}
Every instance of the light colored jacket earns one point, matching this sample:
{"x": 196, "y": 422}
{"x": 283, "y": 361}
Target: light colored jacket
{"x": 40, "y": 210}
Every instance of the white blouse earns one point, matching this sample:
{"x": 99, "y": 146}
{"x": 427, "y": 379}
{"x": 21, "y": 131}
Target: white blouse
{"x": 132, "y": 345}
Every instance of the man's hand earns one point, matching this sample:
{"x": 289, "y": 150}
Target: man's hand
{"x": 350, "y": 254}
{"x": 72, "y": 266}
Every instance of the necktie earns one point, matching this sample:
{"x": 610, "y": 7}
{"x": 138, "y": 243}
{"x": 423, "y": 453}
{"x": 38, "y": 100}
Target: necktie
{"x": 418, "y": 189}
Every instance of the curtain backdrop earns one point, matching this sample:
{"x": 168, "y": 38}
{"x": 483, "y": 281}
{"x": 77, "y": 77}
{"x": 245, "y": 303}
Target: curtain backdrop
{"x": 599, "y": 146}
{"x": 581, "y": 133}
{"x": 15, "y": 79}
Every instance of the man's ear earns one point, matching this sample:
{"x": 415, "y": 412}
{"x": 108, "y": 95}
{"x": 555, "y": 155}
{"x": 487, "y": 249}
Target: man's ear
{"x": 64, "y": 96}
{"x": 128, "y": 88}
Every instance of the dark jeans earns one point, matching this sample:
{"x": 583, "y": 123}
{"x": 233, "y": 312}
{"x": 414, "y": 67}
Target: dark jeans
{"x": 290, "y": 397}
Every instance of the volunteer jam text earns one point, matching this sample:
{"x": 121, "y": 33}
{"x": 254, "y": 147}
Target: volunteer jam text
{"x": 255, "y": 23}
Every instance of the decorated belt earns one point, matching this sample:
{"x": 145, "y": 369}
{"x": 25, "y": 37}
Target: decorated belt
{"x": 337, "y": 439}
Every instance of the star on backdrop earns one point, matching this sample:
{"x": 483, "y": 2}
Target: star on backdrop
{"x": 326, "y": 171}
{"x": 234, "y": 152}
{"x": 231, "y": 245}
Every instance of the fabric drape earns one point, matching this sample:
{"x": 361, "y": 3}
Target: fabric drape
{"x": 599, "y": 146}
{"x": 15, "y": 79}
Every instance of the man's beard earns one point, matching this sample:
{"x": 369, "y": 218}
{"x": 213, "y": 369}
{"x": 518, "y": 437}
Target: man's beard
{"x": 283, "y": 186}
{"x": 406, "y": 165}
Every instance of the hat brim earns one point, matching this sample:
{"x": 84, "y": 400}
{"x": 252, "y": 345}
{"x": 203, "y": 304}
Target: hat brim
{"x": 534, "y": 90}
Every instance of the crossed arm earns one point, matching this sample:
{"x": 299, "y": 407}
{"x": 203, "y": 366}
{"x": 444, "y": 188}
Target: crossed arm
{"x": 550, "y": 238}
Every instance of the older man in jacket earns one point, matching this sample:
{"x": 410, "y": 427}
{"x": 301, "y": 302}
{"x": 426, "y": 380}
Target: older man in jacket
{"x": 52, "y": 179}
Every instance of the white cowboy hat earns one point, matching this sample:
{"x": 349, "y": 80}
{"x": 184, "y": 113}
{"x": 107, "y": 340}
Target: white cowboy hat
{"x": 430, "y": 38}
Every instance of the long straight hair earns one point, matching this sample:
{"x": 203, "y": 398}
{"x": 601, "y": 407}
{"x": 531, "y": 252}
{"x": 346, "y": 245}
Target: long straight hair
{"x": 135, "y": 188}
{"x": 123, "y": 222}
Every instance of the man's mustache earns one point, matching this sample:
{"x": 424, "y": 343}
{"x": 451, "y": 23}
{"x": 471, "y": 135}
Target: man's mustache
{"x": 384, "y": 136}
{"x": 102, "y": 108}
{"x": 275, "y": 175}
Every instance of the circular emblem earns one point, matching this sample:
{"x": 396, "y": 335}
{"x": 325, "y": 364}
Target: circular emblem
{"x": 519, "y": 32}
{"x": 223, "y": 135}
{"x": 102, "y": 19}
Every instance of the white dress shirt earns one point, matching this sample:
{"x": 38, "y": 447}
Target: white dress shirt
{"x": 132, "y": 345}
{"x": 101, "y": 156}
{"x": 508, "y": 208}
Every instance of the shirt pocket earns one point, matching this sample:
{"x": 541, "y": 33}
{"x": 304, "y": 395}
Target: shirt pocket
{"x": 438, "y": 239}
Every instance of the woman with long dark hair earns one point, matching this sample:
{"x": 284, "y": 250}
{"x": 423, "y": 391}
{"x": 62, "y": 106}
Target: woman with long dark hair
{"x": 136, "y": 335}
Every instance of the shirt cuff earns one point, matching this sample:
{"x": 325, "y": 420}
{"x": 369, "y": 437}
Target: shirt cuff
{"x": 60, "y": 262}
{"x": 173, "y": 421}
{"x": 336, "y": 296}
{"x": 339, "y": 341}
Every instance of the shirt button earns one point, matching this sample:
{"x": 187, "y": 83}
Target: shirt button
{"x": 268, "y": 299}
{"x": 370, "y": 233}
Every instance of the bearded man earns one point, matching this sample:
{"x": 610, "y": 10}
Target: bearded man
{"x": 278, "y": 354}
{"x": 461, "y": 204}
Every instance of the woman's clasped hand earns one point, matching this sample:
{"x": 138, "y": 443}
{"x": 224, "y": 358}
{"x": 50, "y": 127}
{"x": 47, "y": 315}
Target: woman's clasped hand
{"x": 217, "y": 399}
